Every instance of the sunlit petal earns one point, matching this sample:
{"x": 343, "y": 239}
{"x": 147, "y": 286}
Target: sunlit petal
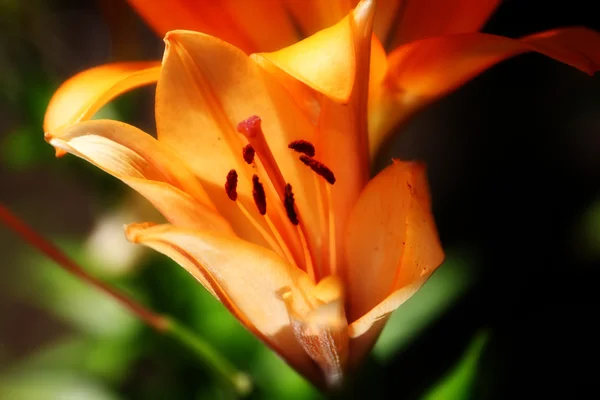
{"x": 231, "y": 266}
{"x": 324, "y": 61}
{"x": 206, "y": 88}
{"x": 147, "y": 166}
{"x": 391, "y": 245}
{"x": 343, "y": 130}
{"x": 423, "y": 71}
{"x": 85, "y": 93}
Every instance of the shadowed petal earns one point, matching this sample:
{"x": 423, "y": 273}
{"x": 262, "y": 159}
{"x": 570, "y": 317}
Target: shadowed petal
{"x": 247, "y": 24}
{"x": 420, "y": 19}
{"x": 147, "y": 166}
{"x": 421, "y": 72}
{"x": 248, "y": 279}
{"x": 313, "y": 15}
{"x": 391, "y": 247}
{"x": 85, "y": 93}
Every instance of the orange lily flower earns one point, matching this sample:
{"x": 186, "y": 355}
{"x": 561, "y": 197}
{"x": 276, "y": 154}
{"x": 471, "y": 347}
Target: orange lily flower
{"x": 433, "y": 45}
{"x": 261, "y": 169}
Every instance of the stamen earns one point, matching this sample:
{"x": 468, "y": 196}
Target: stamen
{"x": 320, "y": 168}
{"x": 248, "y": 153}
{"x": 303, "y": 146}
{"x": 251, "y": 128}
{"x": 258, "y": 193}
{"x": 289, "y": 205}
{"x": 231, "y": 185}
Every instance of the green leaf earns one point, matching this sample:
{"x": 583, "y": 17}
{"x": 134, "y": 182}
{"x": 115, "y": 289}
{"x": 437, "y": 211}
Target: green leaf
{"x": 459, "y": 382}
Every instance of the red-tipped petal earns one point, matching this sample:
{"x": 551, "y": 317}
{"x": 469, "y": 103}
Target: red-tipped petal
{"x": 419, "y": 19}
{"x": 247, "y": 24}
{"x": 419, "y": 73}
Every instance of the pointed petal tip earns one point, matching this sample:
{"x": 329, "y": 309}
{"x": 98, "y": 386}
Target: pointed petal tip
{"x": 60, "y": 148}
{"x": 364, "y": 11}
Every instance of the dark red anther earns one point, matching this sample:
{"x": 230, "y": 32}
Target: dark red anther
{"x": 320, "y": 168}
{"x": 258, "y": 193}
{"x": 303, "y": 146}
{"x": 231, "y": 185}
{"x": 248, "y": 153}
{"x": 250, "y": 127}
{"x": 289, "y": 205}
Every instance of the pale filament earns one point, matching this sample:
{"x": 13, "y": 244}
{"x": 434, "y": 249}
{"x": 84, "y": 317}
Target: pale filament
{"x": 332, "y": 230}
{"x": 271, "y": 241}
{"x": 287, "y": 229}
{"x": 284, "y": 247}
{"x": 322, "y": 266}
{"x": 251, "y": 128}
{"x": 310, "y": 267}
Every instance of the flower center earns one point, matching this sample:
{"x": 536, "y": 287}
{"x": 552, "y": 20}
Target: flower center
{"x": 287, "y": 233}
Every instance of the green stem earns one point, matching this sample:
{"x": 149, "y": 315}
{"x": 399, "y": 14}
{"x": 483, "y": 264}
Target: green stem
{"x": 220, "y": 366}
{"x": 225, "y": 371}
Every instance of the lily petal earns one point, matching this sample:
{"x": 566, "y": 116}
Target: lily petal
{"x": 322, "y": 332}
{"x": 146, "y": 165}
{"x": 324, "y": 61}
{"x": 85, "y": 93}
{"x": 335, "y": 62}
{"x": 206, "y": 88}
{"x": 248, "y": 24}
{"x": 391, "y": 247}
{"x": 420, "y": 19}
{"x": 313, "y": 15}
{"x": 249, "y": 279}
{"x": 385, "y": 17}
{"x": 343, "y": 128}
{"x": 422, "y": 71}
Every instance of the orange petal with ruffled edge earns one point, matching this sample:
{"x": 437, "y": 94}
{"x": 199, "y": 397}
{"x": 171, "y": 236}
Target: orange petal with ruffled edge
{"x": 146, "y": 165}
{"x": 391, "y": 249}
{"x": 421, "y": 72}
{"x": 247, "y": 24}
{"x": 248, "y": 279}
{"x": 84, "y": 94}
{"x": 420, "y": 19}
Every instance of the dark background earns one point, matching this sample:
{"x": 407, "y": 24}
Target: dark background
{"x": 514, "y": 165}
